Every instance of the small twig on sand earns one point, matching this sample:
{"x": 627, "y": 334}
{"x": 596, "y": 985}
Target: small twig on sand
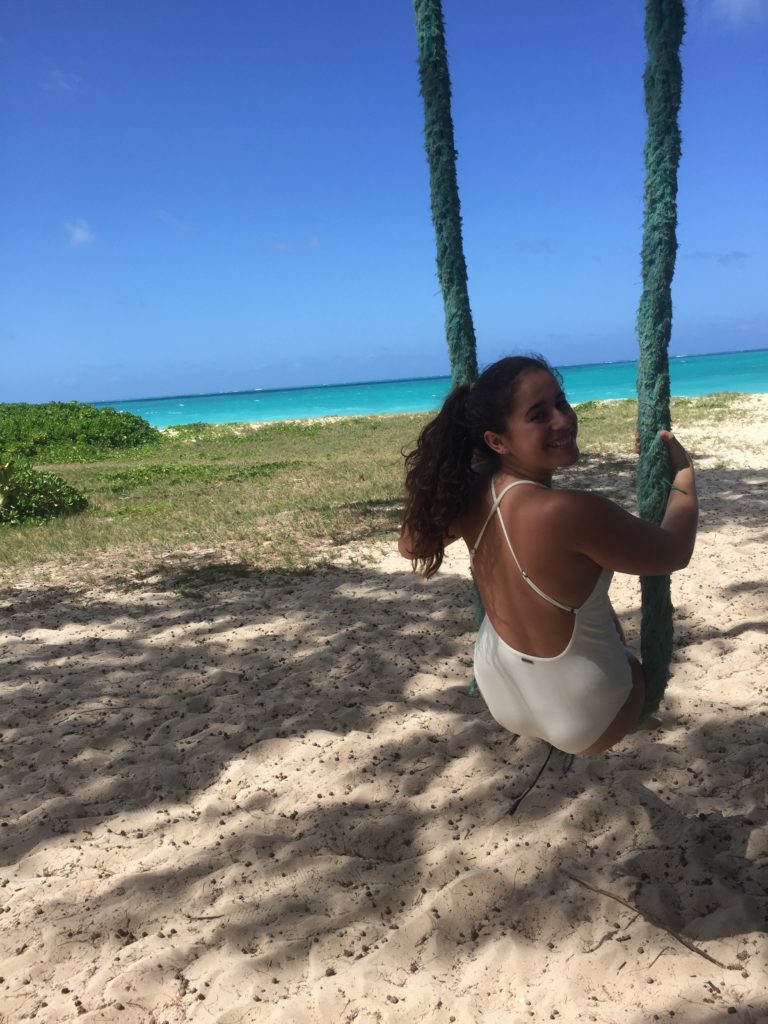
{"x": 661, "y": 951}
{"x": 518, "y": 800}
{"x": 105, "y": 707}
{"x": 651, "y": 920}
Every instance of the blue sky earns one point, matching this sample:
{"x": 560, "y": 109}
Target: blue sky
{"x": 208, "y": 196}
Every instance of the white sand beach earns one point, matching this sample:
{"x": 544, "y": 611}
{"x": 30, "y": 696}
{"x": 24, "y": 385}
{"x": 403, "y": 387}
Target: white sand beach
{"x": 271, "y": 798}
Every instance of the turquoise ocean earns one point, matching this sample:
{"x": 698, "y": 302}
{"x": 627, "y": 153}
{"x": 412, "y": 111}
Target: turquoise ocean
{"x": 689, "y": 375}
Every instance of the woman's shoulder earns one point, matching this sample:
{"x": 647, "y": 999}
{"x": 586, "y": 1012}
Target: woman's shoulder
{"x": 566, "y": 512}
{"x": 574, "y": 497}
{"x": 531, "y": 498}
{"x": 549, "y": 509}
{"x": 574, "y": 502}
{"x": 555, "y": 497}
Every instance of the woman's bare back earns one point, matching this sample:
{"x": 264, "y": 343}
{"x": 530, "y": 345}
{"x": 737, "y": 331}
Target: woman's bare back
{"x": 522, "y": 618}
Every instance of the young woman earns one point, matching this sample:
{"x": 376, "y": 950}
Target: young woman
{"x": 550, "y": 660}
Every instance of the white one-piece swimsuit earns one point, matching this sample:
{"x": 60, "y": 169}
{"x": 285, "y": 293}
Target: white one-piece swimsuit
{"x": 571, "y": 699}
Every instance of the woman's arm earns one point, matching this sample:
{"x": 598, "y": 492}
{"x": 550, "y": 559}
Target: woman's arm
{"x": 682, "y": 513}
{"x": 613, "y": 538}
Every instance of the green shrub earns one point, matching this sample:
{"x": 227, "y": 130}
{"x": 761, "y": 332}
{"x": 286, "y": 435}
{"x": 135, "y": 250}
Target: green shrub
{"x": 27, "y": 495}
{"x": 70, "y": 431}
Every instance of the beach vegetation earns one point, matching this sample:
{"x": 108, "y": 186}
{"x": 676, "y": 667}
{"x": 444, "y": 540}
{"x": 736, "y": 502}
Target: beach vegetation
{"x": 29, "y": 496}
{"x": 123, "y": 481}
{"x": 277, "y": 496}
{"x": 70, "y": 431}
{"x": 605, "y": 427}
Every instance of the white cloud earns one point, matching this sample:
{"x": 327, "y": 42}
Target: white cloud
{"x": 62, "y": 81}
{"x": 535, "y": 246}
{"x": 734, "y": 256}
{"x": 172, "y": 221}
{"x": 731, "y": 13}
{"x": 80, "y": 232}
{"x": 731, "y": 256}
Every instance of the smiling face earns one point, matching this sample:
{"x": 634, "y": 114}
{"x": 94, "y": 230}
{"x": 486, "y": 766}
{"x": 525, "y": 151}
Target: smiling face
{"x": 540, "y": 434}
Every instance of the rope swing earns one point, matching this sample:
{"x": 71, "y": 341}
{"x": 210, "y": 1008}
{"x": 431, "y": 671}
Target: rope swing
{"x": 664, "y": 26}
{"x": 446, "y": 208}
{"x": 444, "y": 190}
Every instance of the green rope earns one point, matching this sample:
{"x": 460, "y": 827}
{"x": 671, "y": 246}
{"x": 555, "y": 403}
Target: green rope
{"x": 664, "y": 27}
{"x": 444, "y": 190}
{"x": 446, "y": 209}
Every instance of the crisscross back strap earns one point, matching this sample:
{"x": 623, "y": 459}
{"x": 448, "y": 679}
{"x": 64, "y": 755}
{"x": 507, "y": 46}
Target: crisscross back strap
{"x": 495, "y": 509}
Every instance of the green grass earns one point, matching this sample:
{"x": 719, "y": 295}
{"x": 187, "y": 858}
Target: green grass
{"x": 276, "y": 497}
{"x": 281, "y": 496}
{"x": 610, "y": 426}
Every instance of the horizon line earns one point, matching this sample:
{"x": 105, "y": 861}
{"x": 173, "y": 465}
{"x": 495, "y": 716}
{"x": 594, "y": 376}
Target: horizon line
{"x": 393, "y": 380}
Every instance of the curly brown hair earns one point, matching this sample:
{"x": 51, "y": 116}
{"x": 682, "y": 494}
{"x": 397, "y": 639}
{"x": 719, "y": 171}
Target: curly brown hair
{"x": 451, "y": 458}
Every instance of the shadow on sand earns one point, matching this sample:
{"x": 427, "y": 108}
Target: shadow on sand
{"x": 280, "y": 732}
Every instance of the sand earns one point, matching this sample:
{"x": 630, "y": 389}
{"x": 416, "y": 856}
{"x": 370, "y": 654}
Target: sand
{"x": 273, "y": 799}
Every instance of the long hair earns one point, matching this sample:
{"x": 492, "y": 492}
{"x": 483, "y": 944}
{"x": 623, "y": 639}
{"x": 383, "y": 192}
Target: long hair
{"x": 451, "y": 456}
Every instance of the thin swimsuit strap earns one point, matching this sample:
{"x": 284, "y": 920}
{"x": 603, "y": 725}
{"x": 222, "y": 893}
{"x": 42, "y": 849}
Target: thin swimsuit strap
{"x": 495, "y": 508}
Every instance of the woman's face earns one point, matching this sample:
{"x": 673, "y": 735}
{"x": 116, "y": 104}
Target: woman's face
{"x": 541, "y": 429}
